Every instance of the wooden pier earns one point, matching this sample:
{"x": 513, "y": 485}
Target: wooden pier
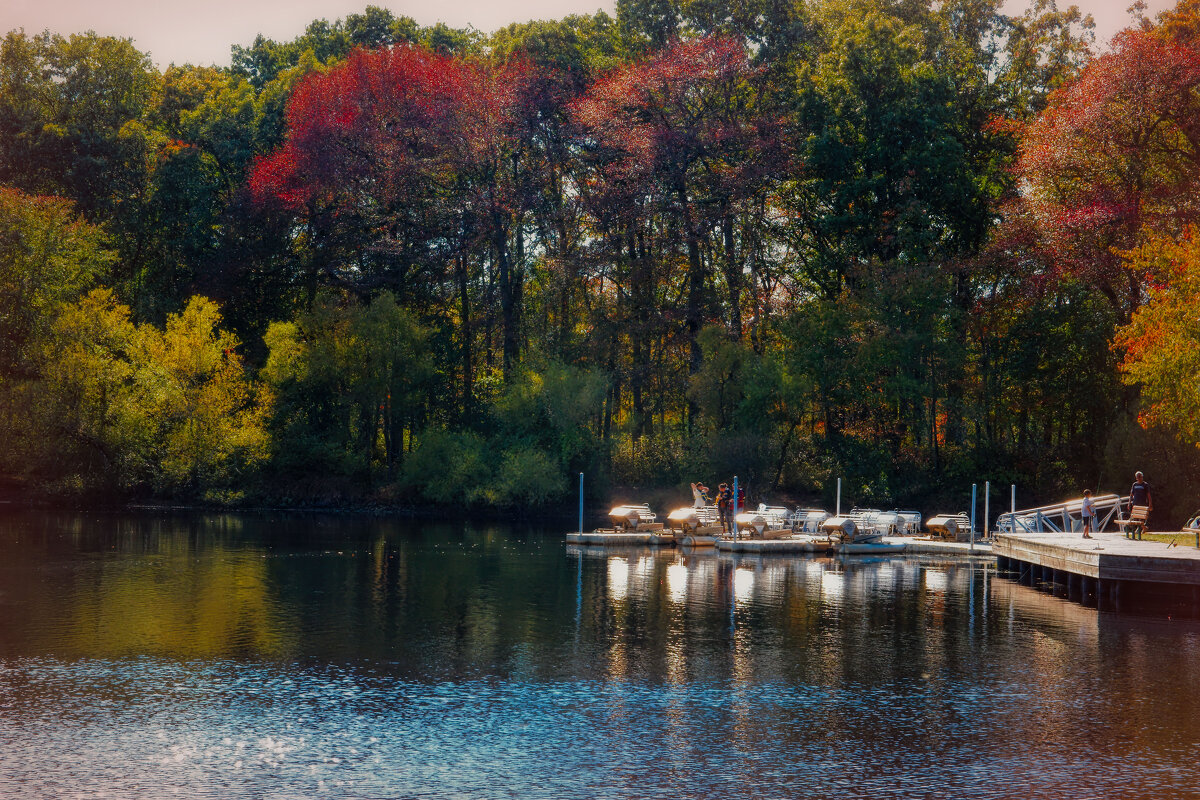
{"x": 1107, "y": 568}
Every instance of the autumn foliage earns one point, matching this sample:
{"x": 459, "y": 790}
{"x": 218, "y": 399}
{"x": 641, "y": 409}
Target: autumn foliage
{"x": 385, "y": 127}
{"x": 1115, "y": 156}
{"x": 911, "y": 244}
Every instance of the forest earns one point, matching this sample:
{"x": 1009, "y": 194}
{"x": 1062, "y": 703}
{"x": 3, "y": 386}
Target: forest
{"x": 912, "y": 244}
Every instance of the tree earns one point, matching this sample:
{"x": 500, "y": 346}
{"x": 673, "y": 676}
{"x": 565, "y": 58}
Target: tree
{"x": 49, "y": 256}
{"x": 350, "y": 382}
{"x": 131, "y": 406}
{"x": 1115, "y": 156}
{"x": 1161, "y": 342}
{"x": 65, "y": 103}
{"x": 682, "y": 129}
{"x": 403, "y": 163}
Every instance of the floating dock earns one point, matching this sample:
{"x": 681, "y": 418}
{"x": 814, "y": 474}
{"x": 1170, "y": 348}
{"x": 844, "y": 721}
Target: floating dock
{"x": 1107, "y": 568}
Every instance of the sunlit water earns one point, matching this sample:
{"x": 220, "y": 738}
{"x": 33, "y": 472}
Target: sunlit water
{"x": 295, "y": 657}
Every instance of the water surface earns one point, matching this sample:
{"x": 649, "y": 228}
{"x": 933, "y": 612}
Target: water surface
{"x": 267, "y": 656}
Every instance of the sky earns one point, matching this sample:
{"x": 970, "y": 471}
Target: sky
{"x": 187, "y": 31}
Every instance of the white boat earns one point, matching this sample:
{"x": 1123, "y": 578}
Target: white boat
{"x": 858, "y": 527}
{"x": 949, "y": 526}
{"x": 765, "y": 522}
{"x": 633, "y": 518}
{"x": 808, "y": 520}
{"x": 690, "y": 519}
{"x": 910, "y": 522}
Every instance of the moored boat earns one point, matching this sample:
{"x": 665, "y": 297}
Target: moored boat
{"x": 634, "y": 518}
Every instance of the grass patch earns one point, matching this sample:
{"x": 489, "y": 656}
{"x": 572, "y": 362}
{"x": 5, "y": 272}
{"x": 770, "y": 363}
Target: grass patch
{"x": 1180, "y": 539}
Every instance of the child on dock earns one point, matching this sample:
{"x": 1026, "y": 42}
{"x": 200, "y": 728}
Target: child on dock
{"x": 1088, "y": 512}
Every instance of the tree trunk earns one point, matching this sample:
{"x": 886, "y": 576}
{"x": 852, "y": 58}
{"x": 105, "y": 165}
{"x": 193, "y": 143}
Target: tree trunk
{"x": 733, "y": 276}
{"x": 695, "y": 301}
{"x": 468, "y": 389}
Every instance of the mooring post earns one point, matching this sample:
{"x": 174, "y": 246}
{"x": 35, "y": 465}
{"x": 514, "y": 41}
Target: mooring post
{"x": 974, "y": 488}
{"x": 735, "y": 507}
{"x": 581, "y": 502}
{"x": 838, "y": 509}
{"x": 1014, "y": 508}
{"x": 987, "y": 496}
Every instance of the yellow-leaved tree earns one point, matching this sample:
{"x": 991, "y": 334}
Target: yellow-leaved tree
{"x": 171, "y": 409}
{"x": 1161, "y": 343}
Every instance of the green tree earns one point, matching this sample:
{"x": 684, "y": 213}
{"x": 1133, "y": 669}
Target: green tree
{"x": 350, "y": 379}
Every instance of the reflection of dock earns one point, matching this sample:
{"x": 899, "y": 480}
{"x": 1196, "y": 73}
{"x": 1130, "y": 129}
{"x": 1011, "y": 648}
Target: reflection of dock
{"x": 1042, "y": 606}
{"x": 1106, "y": 569}
{"x": 801, "y": 544}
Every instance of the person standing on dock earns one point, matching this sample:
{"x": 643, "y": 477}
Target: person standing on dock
{"x": 699, "y": 495}
{"x": 725, "y": 506}
{"x": 1139, "y": 495}
{"x": 1088, "y": 512}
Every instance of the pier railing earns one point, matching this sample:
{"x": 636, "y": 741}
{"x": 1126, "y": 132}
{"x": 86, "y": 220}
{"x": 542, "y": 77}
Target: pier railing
{"x": 1061, "y": 517}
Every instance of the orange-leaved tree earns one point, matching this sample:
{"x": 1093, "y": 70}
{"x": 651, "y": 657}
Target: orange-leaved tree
{"x": 1161, "y": 344}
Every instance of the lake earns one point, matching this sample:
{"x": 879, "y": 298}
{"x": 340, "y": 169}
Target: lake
{"x": 298, "y": 656}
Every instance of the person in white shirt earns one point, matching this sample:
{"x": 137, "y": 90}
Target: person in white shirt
{"x": 1088, "y": 512}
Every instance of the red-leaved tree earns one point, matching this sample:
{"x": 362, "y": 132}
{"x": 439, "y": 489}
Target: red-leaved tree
{"x": 682, "y": 133}
{"x": 401, "y": 163}
{"x": 1116, "y": 156}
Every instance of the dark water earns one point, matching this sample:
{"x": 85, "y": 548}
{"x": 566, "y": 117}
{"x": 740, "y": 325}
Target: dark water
{"x": 295, "y": 657}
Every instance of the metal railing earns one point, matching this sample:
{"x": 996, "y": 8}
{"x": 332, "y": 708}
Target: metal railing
{"x": 1061, "y": 517}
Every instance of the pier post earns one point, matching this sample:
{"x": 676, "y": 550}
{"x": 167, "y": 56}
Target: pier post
{"x": 838, "y": 510}
{"x": 974, "y": 488}
{"x": 581, "y": 502}
{"x": 987, "y": 497}
{"x": 735, "y": 506}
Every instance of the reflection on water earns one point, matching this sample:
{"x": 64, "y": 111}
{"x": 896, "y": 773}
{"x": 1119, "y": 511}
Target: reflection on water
{"x": 287, "y": 657}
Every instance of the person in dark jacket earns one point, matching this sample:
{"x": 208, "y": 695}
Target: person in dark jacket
{"x": 725, "y": 506}
{"x": 1139, "y": 495}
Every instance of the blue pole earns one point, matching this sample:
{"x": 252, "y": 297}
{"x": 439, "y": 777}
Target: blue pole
{"x": 735, "y": 507}
{"x": 581, "y": 502}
